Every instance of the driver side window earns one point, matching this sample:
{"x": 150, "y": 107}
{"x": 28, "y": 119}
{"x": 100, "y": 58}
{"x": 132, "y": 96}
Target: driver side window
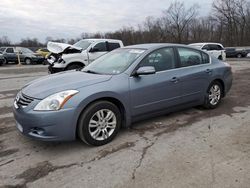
{"x": 162, "y": 59}
{"x": 101, "y": 47}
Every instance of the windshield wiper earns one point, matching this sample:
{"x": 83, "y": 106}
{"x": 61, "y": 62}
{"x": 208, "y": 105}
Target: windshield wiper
{"x": 91, "y": 72}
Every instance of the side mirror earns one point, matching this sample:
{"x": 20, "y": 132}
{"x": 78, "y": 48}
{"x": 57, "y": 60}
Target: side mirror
{"x": 94, "y": 49}
{"x": 145, "y": 71}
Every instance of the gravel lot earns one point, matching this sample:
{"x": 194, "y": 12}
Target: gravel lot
{"x": 191, "y": 148}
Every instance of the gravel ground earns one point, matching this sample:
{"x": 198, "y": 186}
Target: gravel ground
{"x": 190, "y": 148}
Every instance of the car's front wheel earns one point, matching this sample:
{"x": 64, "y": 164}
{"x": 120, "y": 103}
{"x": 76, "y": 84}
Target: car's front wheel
{"x": 5, "y": 61}
{"x": 99, "y": 123}
{"x": 28, "y": 61}
{"x": 239, "y": 55}
{"x": 214, "y": 95}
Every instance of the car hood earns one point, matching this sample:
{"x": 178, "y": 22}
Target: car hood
{"x": 54, "y": 83}
{"x": 56, "y": 47}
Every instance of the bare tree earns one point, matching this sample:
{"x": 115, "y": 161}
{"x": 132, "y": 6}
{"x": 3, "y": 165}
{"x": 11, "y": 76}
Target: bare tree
{"x": 177, "y": 19}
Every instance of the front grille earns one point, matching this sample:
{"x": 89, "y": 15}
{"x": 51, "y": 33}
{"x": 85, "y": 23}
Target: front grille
{"x": 24, "y": 100}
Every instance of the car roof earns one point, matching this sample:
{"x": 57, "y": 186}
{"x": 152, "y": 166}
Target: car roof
{"x": 149, "y": 46}
{"x": 204, "y": 43}
{"x": 96, "y": 40}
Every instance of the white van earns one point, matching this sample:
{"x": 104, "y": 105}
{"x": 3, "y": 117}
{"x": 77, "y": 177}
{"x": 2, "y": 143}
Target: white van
{"x": 68, "y": 57}
{"x": 215, "y": 49}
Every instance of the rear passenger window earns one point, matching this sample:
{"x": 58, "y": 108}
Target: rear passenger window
{"x": 113, "y": 46}
{"x": 205, "y": 58}
{"x": 189, "y": 57}
{"x": 162, "y": 59}
{"x": 9, "y": 50}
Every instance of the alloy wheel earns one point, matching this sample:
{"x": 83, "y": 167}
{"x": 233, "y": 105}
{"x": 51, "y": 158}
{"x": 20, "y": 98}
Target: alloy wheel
{"x": 214, "y": 94}
{"x": 102, "y": 124}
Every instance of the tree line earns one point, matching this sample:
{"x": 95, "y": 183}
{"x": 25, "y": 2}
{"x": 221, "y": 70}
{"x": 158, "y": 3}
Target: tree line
{"x": 228, "y": 23}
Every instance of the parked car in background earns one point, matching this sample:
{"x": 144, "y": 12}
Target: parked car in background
{"x": 26, "y": 55}
{"x": 234, "y": 52}
{"x": 68, "y": 57}
{"x": 43, "y": 52}
{"x": 248, "y": 52}
{"x": 121, "y": 87}
{"x": 2, "y": 60}
{"x": 215, "y": 49}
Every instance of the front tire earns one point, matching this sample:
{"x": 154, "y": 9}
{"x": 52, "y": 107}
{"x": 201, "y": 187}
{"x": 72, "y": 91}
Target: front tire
{"x": 239, "y": 56}
{"x": 28, "y": 61}
{"x": 5, "y": 62}
{"x": 99, "y": 123}
{"x": 214, "y": 95}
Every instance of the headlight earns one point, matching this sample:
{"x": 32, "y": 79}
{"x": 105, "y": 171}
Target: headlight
{"x": 56, "y": 101}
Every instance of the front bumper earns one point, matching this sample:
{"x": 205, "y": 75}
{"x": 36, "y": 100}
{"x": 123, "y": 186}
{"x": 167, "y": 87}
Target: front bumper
{"x": 1, "y": 61}
{"x": 46, "y": 125}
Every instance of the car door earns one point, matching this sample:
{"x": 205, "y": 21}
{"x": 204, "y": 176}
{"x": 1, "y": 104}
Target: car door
{"x": 149, "y": 93}
{"x": 11, "y": 55}
{"x": 97, "y": 50}
{"x": 195, "y": 74}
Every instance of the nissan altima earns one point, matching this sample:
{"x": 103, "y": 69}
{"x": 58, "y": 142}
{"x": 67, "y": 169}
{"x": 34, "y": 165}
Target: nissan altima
{"x": 126, "y": 85}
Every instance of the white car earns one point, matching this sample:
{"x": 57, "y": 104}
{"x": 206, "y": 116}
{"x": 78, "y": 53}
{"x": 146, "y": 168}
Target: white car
{"x": 69, "y": 57}
{"x": 215, "y": 49}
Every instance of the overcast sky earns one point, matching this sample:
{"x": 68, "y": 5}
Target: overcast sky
{"x": 69, "y": 18}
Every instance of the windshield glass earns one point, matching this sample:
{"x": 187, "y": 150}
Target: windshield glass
{"x": 114, "y": 62}
{"x": 2, "y": 50}
{"x": 84, "y": 44}
{"x": 26, "y": 50}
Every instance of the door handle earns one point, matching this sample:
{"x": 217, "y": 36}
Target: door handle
{"x": 174, "y": 80}
{"x": 208, "y": 71}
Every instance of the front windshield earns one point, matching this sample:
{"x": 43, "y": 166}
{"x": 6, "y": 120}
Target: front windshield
{"x": 84, "y": 44}
{"x": 114, "y": 62}
{"x": 26, "y": 50}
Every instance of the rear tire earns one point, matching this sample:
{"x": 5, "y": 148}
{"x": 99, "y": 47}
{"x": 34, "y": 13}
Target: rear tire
{"x": 99, "y": 123}
{"x": 214, "y": 95}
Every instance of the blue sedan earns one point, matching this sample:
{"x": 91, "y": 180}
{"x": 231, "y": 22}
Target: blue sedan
{"x": 126, "y": 85}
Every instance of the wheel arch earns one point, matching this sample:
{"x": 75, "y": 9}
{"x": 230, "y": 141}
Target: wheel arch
{"x": 75, "y": 63}
{"x": 222, "y": 85}
{"x": 115, "y": 101}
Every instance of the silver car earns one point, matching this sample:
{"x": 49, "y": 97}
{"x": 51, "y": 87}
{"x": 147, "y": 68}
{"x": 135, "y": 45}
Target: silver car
{"x": 119, "y": 88}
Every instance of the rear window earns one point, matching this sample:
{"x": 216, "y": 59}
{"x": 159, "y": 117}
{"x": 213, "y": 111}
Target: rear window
{"x": 113, "y": 46}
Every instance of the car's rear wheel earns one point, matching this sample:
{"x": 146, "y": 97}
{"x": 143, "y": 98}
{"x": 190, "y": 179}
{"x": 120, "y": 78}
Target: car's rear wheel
{"x": 99, "y": 123}
{"x": 74, "y": 66}
{"x": 214, "y": 95}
